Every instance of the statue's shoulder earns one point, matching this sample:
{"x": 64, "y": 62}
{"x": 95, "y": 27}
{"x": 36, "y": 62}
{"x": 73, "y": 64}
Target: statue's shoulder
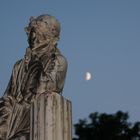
{"x": 18, "y": 63}
{"x": 61, "y": 62}
{"x": 61, "y": 59}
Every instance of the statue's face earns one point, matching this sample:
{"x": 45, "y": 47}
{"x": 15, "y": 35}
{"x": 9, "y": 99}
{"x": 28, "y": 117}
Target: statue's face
{"x": 37, "y": 32}
{"x": 41, "y": 26}
{"x": 43, "y": 30}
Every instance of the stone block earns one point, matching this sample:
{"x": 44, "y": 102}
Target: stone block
{"x": 51, "y": 118}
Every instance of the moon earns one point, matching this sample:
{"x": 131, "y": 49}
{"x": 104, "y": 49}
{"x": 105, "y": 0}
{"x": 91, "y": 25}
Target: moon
{"x": 88, "y": 76}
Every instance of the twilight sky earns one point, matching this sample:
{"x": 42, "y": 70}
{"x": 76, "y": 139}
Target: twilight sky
{"x": 99, "y": 36}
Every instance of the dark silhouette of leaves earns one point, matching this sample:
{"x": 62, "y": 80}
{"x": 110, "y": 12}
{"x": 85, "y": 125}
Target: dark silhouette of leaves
{"x": 107, "y": 127}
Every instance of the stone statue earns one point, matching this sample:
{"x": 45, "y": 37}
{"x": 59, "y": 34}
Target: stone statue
{"x": 42, "y": 70}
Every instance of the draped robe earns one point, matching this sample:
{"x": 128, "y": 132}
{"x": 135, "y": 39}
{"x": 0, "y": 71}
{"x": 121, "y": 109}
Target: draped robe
{"x": 40, "y": 71}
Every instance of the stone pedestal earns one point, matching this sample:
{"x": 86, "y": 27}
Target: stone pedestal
{"x": 51, "y": 118}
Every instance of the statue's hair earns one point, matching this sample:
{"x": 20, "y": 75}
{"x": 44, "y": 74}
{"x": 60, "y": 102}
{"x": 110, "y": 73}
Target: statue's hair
{"x": 52, "y": 23}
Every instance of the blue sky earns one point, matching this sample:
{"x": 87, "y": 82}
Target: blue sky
{"x": 99, "y": 36}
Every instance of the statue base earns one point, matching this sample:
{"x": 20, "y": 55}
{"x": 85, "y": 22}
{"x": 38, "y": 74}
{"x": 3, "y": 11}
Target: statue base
{"x": 51, "y": 118}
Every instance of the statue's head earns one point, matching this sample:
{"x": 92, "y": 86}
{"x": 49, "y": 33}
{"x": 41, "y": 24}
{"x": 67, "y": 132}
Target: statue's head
{"x": 42, "y": 30}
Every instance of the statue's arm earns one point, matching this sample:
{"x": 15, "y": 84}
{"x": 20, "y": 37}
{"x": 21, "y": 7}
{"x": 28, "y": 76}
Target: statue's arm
{"x": 8, "y": 99}
{"x": 52, "y": 79}
{"x": 11, "y": 85}
{"x": 8, "y": 89}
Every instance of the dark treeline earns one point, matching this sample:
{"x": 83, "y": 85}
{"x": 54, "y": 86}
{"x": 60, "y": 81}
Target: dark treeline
{"x": 107, "y": 127}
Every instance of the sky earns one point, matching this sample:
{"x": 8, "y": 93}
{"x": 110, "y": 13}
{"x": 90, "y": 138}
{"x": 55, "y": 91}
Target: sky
{"x": 99, "y": 36}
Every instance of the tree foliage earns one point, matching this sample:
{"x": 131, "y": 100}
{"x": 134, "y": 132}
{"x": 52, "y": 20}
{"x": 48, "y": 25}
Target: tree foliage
{"x": 107, "y": 127}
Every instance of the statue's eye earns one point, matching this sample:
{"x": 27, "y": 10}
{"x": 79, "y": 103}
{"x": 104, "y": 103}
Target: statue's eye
{"x": 45, "y": 22}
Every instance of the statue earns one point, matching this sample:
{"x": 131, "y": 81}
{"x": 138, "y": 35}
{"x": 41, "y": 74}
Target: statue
{"x": 41, "y": 71}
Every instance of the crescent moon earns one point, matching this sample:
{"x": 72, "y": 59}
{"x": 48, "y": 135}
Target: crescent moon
{"x": 88, "y": 76}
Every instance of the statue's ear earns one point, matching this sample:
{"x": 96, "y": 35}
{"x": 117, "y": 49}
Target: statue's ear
{"x": 31, "y": 19}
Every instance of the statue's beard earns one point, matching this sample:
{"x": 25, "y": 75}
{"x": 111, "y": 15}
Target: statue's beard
{"x": 36, "y": 38}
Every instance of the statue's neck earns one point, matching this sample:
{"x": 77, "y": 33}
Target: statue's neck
{"x": 41, "y": 50}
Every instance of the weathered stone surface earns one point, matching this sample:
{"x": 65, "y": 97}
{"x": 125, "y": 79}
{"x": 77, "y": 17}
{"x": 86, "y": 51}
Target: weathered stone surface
{"x": 51, "y": 118}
